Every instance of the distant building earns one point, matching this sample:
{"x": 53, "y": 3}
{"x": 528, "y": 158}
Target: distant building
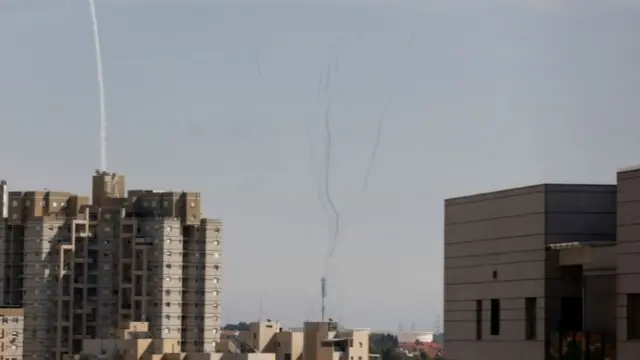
{"x": 264, "y": 341}
{"x": 532, "y": 270}
{"x": 316, "y": 341}
{"x": 412, "y": 336}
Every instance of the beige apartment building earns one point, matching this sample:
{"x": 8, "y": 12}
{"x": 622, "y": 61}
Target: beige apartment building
{"x": 82, "y": 268}
{"x": 316, "y": 341}
{"x": 549, "y": 271}
{"x": 11, "y": 333}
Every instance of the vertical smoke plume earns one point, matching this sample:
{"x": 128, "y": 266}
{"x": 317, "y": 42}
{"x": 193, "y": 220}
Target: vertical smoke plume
{"x": 103, "y": 113}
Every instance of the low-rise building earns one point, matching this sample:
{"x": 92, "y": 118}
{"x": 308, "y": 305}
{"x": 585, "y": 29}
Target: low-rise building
{"x": 263, "y": 341}
{"x": 316, "y": 341}
{"x": 133, "y": 341}
{"x": 544, "y": 271}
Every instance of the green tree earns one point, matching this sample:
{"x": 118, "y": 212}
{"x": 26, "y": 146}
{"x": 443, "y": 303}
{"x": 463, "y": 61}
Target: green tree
{"x": 385, "y": 345}
{"x": 241, "y": 326}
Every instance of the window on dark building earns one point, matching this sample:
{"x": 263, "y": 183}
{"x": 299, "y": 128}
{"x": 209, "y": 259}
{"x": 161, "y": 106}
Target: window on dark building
{"x": 478, "y": 319}
{"x": 633, "y": 316}
{"x": 530, "y": 318}
{"x": 571, "y": 313}
{"x": 495, "y": 317}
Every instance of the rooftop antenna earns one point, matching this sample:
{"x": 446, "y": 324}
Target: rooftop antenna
{"x": 260, "y": 310}
{"x": 323, "y": 294}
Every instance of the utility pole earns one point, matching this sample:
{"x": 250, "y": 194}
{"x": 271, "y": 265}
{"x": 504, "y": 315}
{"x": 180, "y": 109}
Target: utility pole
{"x": 323, "y": 294}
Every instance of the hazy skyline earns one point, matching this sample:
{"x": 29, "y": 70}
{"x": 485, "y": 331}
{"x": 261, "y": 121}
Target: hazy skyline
{"x": 217, "y": 97}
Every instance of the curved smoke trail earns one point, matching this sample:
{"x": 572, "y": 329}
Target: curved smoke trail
{"x": 374, "y": 152}
{"x": 376, "y": 145}
{"x": 327, "y": 162}
{"x": 315, "y": 174}
{"x": 324, "y": 89}
{"x": 103, "y": 113}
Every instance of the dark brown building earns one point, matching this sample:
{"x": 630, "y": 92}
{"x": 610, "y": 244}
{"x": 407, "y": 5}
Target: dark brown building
{"x": 544, "y": 272}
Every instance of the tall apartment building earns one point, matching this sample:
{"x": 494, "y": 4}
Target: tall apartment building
{"x": 549, "y": 271}
{"x": 82, "y": 269}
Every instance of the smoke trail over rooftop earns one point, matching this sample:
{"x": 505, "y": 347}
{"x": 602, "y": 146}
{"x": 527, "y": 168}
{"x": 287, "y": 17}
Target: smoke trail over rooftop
{"x": 103, "y": 112}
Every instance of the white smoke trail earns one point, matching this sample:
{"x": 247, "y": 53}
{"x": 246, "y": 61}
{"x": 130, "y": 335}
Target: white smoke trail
{"x": 103, "y": 112}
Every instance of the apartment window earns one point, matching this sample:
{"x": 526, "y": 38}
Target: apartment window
{"x": 495, "y": 317}
{"x": 633, "y": 316}
{"x": 530, "y": 318}
{"x": 478, "y": 319}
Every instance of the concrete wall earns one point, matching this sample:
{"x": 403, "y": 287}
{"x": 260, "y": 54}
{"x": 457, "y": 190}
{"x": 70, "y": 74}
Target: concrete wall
{"x": 360, "y": 348}
{"x": 501, "y": 232}
{"x": 289, "y": 342}
{"x": 254, "y": 356}
{"x": 628, "y": 256}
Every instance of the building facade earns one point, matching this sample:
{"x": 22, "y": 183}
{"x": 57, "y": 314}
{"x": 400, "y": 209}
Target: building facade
{"x": 80, "y": 269}
{"x": 324, "y": 340}
{"x": 531, "y": 271}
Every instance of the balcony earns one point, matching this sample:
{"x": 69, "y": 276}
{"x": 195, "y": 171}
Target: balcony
{"x": 144, "y": 241}
{"x": 66, "y": 240}
{"x": 590, "y": 255}
{"x": 578, "y": 345}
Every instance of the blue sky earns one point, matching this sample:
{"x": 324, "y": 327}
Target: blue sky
{"x": 481, "y": 96}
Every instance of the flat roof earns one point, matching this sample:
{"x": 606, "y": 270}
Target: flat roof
{"x": 11, "y": 311}
{"x": 530, "y": 189}
{"x": 629, "y": 168}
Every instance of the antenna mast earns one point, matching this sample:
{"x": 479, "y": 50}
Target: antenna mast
{"x": 323, "y": 294}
